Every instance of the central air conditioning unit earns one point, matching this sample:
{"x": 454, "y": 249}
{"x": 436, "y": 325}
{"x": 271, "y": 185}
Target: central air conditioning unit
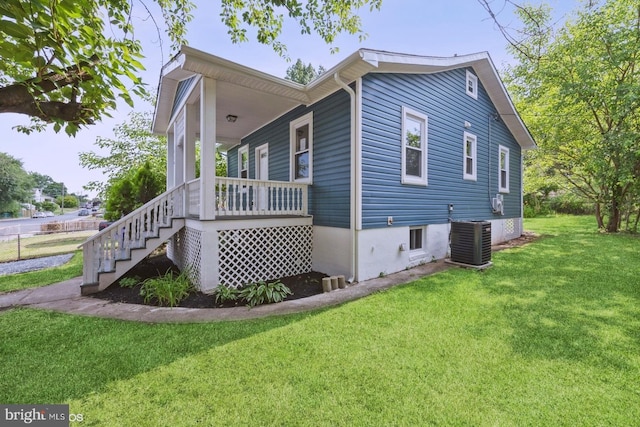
{"x": 471, "y": 243}
{"x": 497, "y": 204}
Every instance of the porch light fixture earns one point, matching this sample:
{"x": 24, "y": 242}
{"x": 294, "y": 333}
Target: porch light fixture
{"x": 231, "y": 118}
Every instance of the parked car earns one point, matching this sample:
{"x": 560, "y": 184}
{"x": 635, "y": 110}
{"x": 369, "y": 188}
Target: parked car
{"x": 48, "y": 214}
{"x": 38, "y": 215}
{"x": 84, "y": 212}
{"x": 104, "y": 224}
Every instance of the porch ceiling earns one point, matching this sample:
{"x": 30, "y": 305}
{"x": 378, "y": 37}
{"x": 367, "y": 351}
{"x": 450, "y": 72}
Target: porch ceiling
{"x": 253, "y": 108}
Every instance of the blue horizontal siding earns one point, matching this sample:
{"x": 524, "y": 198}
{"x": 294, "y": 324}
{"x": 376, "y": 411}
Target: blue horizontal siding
{"x": 443, "y": 99}
{"x": 329, "y": 194}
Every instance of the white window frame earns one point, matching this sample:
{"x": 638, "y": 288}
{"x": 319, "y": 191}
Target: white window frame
{"x": 471, "y": 85}
{"x": 503, "y": 188}
{"x": 307, "y": 119}
{"x": 241, "y": 151}
{"x": 421, "y": 252}
{"x": 422, "y": 118}
{"x": 469, "y": 137}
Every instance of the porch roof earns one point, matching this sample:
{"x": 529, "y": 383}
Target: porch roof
{"x": 258, "y": 98}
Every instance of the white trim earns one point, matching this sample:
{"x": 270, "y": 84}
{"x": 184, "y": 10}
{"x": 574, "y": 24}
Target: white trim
{"x": 307, "y": 119}
{"x": 471, "y": 85}
{"x": 263, "y": 147}
{"x": 422, "y": 118}
{"x": 505, "y": 188}
{"x": 241, "y": 150}
{"x": 421, "y": 252}
{"x": 474, "y": 156}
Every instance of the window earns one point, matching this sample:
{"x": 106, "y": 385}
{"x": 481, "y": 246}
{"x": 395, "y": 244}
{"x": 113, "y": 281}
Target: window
{"x": 243, "y": 162}
{"x": 472, "y": 85}
{"x": 469, "y": 157}
{"x": 503, "y": 163}
{"x": 301, "y": 134}
{"x": 415, "y": 238}
{"x": 417, "y": 242}
{"x": 414, "y": 147}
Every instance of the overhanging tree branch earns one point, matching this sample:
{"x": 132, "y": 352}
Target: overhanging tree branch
{"x": 22, "y": 98}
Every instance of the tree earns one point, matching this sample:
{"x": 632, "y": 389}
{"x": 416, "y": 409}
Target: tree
{"x": 67, "y": 62}
{"x": 15, "y": 184}
{"x": 48, "y": 185}
{"x": 133, "y": 146}
{"x": 148, "y": 183}
{"x": 326, "y": 18}
{"x": 581, "y": 98}
{"x": 303, "y": 74}
{"x": 70, "y": 201}
{"x": 121, "y": 199}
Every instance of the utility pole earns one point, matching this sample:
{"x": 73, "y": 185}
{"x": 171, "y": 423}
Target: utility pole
{"x": 62, "y": 197}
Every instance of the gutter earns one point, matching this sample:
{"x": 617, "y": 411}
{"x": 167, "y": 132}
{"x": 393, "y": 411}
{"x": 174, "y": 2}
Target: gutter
{"x": 352, "y": 221}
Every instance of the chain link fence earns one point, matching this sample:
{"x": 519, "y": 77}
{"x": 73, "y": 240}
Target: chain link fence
{"x": 53, "y": 238}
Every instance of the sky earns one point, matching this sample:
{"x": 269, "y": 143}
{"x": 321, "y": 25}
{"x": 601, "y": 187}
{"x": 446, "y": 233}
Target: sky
{"x": 431, "y": 27}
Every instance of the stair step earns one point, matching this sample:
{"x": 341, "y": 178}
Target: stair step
{"x": 136, "y": 254}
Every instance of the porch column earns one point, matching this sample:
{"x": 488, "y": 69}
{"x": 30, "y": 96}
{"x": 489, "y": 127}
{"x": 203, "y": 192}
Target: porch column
{"x": 178, "y": 153}
{"x": 190, "y": 135}
{"x": 207, "y": 148}
{"x": 171, "y": 182}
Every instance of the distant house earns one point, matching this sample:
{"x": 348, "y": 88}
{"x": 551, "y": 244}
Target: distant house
{"x": 357, "y": 173}
{"x": 39, "y": 196}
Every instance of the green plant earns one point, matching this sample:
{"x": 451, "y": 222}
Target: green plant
{"x": 167, "y": 289}
{"x": 129, "y": 282}
{"x": 262, "y": 292}
{"x": 225, "y": 293}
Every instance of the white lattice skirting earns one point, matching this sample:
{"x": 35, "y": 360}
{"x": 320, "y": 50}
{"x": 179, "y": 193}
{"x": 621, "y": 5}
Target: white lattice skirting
{"x": 253, "y": 254}
{"x": 244, "y": 255}
{"x": 185, "y": 251}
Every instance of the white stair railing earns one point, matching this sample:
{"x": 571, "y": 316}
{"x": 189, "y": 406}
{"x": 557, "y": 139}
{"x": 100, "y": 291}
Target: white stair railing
{"x": 116, "y": 241}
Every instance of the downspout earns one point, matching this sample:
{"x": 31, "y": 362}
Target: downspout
{"x": 354, "y": 204}
{"x": 490, "y": 118}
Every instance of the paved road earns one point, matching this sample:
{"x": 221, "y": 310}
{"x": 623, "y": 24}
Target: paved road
{"x": 30, "y": 225}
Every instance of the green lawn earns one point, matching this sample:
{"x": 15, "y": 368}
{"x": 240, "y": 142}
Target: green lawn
{"x": 550, "y": 335}
{"x": 32, "y": 279}
{"x": 43, "y": 245}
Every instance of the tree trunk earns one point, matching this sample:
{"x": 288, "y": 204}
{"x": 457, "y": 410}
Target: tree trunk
{"x": 613, "y": 222}
{"x": 599, "y": 218}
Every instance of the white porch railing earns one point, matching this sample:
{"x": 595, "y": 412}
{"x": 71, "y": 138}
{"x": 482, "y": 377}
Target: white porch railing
{"x": 244, "y": 197}
{"x": 115, "y": 242}
{"x": 193, "y": 197}
{"x": 234, "y": 197}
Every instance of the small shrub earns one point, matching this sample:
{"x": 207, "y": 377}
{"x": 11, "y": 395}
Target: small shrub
{"x": 167, "y": 289}
{"x": 225, "y": 293}
{"x": 129, "y": 282}
{"x": 264, "y": 293}
{"x": 571, "y": 204}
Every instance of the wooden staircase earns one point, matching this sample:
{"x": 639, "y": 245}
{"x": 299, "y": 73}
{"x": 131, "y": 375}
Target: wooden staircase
{"x": 118, "y": 248}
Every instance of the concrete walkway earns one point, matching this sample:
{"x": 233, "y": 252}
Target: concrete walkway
{"x": 65, "y": 297}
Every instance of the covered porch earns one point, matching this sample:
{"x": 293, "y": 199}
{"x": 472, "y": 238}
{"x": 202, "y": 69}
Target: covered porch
{"x": 260, "y": 231}
{"x": 238, "y": 229}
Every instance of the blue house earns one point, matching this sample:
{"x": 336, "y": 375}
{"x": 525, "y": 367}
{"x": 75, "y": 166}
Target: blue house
{"x": 359, "y": 173}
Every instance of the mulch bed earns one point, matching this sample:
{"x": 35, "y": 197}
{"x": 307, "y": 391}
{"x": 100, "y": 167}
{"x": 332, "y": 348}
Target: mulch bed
{"x": 302, "y": 286}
